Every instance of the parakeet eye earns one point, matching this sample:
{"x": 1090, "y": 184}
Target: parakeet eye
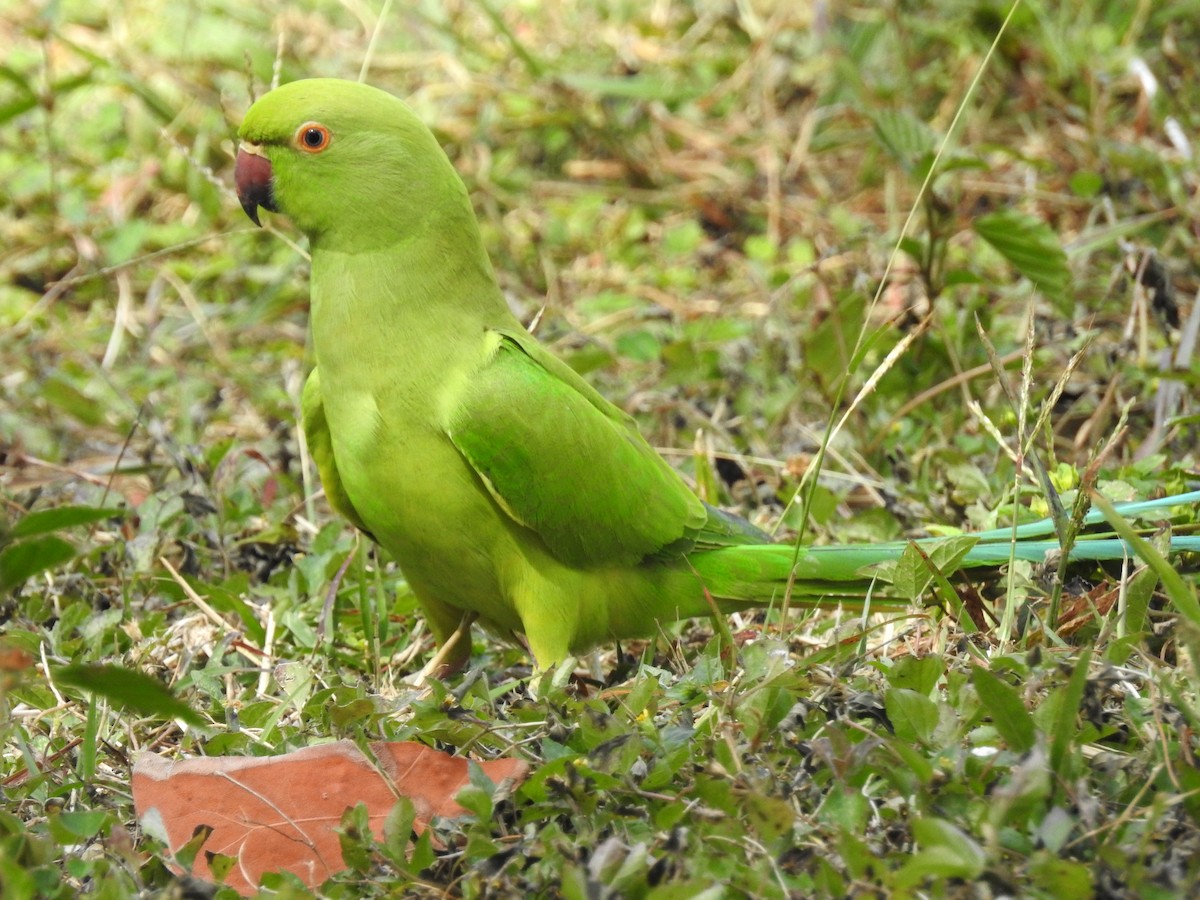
{"x": 312, "y": 137}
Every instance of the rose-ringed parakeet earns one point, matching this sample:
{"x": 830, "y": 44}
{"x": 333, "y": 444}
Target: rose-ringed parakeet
{"x": 503, "y": 484}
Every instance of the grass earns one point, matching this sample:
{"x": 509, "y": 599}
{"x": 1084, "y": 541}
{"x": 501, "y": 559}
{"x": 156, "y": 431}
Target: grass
{"x": 698, "y": 204}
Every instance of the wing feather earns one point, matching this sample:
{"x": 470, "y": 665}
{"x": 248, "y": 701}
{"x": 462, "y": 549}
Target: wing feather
{"x": 563, "y": 461}
{"x": 320, "y": 448}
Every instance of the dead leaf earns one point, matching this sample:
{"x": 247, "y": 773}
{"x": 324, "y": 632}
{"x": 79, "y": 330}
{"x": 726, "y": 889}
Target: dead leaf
{"x": 14, "y": 659}
{"x": 1080, "y": 609}
{"x": 280, "y": 813}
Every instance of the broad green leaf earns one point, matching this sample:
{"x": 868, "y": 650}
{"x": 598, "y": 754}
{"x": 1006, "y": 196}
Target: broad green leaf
{"x": 913, "y": 715}
{"x": 916, "y": 673}
{"x": 1085, "y": 183}
{"x": 186, "y": 855}
{"x": 949, "y": 553}
{"x": 422, "y": 856}
{"x": 1064, "y": 726}
{"x": 952, "y": 277}
{"x": 1056, "y": 828}
{"x": 220, "y": 865}
{"x": 771, "y": 817}
{"x": 1006, "y": 708}
{"x": 229, "y": 597}
{"x": 47, "y": 520}
{"x": 911, "y": 576}
{"x": 915, "y": 764}
{"x": 846, "y": 808}
{"x": 398, "y": 830}
{"x": 1063, "y": 879}
{"x": 80, "y": 824}
{"x": 475, "y": 800}
{"x": 21, "y": 561}
{"x": 128, "y": 689}
{"x": 943, "y": 851}
{"x": 1033, "y": 248}
{"x": 1138, "y": 593}
{"x": 930, "y": 832}
{"x": 904, "y": 136}
{"x": 355, "y": 826}
{"x": 74, "y": 402}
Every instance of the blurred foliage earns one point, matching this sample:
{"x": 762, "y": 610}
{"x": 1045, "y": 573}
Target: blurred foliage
{"x": 698, "y": 203}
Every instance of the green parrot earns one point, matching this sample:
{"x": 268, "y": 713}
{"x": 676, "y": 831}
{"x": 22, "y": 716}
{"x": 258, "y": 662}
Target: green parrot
{"x": 506, "y": 487}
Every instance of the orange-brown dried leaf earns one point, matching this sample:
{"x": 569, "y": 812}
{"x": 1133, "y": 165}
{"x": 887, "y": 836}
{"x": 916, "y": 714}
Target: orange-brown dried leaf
{"x": 281, "y": 813}
{"x": 1080, "y": 609}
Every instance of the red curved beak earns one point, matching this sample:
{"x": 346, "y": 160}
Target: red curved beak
{"x": 255, "y": 181}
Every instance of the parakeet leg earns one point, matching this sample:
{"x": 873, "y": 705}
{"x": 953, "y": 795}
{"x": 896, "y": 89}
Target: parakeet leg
{"x": 547, "y": 631}
{"x": 451, "y": 628}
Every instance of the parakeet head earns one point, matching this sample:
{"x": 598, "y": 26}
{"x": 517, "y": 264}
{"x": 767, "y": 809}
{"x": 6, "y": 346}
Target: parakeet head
{"x": 346, "y": 162}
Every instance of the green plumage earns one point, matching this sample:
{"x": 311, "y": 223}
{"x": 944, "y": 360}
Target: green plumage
{"x": 503, "y": 484}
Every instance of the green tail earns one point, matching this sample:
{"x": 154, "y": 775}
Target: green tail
{"x": 829, "y": 574}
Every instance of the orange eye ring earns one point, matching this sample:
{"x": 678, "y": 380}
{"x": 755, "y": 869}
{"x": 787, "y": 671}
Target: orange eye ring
{"x": 312, "y": 137}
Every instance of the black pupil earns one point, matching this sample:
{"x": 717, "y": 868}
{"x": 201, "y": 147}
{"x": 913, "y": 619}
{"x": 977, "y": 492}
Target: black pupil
{"x": 314, "y": 137}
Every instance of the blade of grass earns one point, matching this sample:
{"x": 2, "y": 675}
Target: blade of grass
{"x": 1183, "y": 597}
{"x": 1064, "y": 725}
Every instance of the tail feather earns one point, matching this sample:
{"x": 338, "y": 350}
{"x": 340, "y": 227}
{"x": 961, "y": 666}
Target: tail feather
{"x": 832, "y": 574}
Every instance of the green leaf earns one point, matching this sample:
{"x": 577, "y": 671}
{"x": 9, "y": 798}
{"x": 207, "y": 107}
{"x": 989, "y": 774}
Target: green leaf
{"x": 21, "y": 561}
{"x": 229, "y": 597}
{"x": 398, "y": 831}
{"x": 911, "y": 576}
{"x": 1182, "y": 596}
{"x": 846, "y": 808}
{"x": 913, "y": 715}
{"x": 354, "y": 836}
{"x": 913, "y": 763}
{"x": 1006, "y": 708}
{"x": 67, "y": 397}
{"x": 1055, "y": 828}
{"x": 1138, "y": 594}
{"x": 921, "y": 566}
{"x": 770, "y": 817}
{"x": 1099, "y": 236}
{"x": 904, "y": 136}
{"x": 47, "y": 520}
{"x": 916, "y": 673}
{"x": 1086, "y": 183}
{"x": 948, "y": 554}
{"x": 475, "y": 800}
{"x": 1064, "y": 724}
{"x": 26, "y": 99}
{"x": 422, "y": 851}
{"x": 220, "y": 865}
{"x": 945, "y": 851}
{"x": 80, "y": 824}
{"x": 128, "y": 689}
{"x": 1033, "y": 248}
{"x": 952, "y": 277}
{"x": 186, "y": 854}
{"x": 640, "y": 345}
{"x": 1063, "y": 879}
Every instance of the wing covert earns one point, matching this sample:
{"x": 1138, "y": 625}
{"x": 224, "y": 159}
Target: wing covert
{"x": 563, "y": 461}
{"x": 320, "y": 448}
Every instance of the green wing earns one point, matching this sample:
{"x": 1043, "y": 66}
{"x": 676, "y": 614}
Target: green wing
{"x": 320, "y": 447}
{"x": 563, "y": 461}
